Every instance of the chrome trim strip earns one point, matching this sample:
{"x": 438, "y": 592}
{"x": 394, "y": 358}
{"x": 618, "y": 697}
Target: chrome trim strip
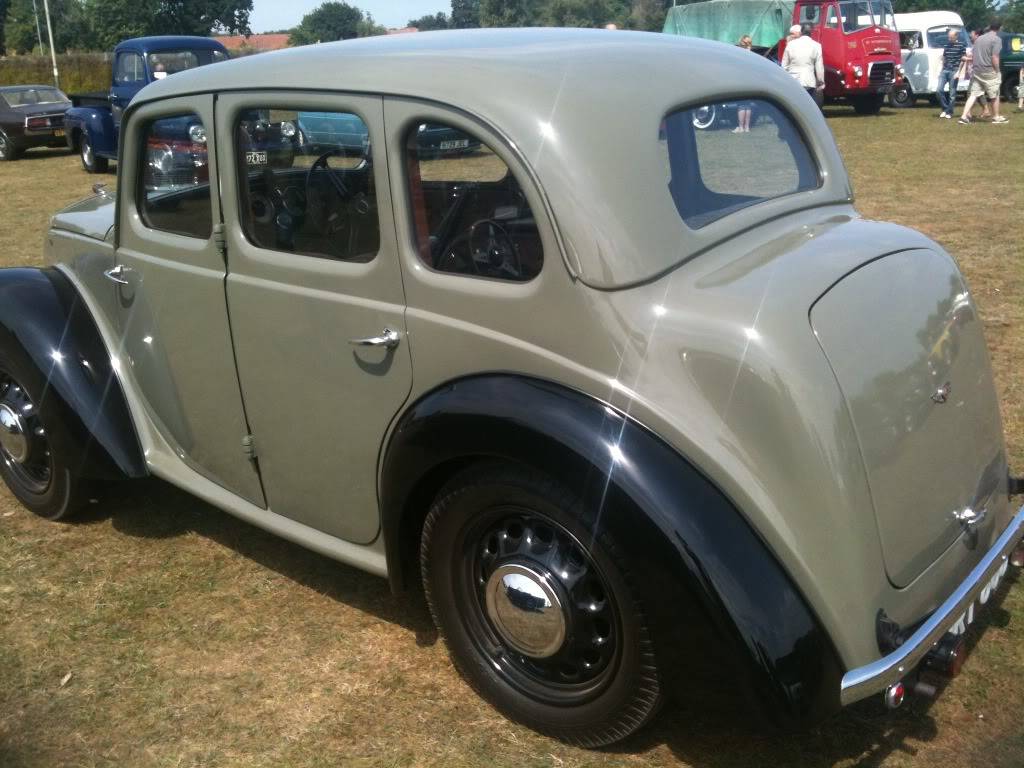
{"x": 878, "y": 675}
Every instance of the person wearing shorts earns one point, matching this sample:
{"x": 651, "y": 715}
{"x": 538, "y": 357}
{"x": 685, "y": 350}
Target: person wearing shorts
{"x": 986, "y": 80}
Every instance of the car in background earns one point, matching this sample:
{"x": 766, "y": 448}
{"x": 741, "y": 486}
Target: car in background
{"x": 923, "y": 37}
{"x": 1011, "y": 64}
{"x": 327, "y": 129}
{"x": 31, "y": 116}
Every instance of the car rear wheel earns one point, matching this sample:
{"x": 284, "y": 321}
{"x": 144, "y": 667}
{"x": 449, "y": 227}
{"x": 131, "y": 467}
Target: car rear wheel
{"x": 90, "y": 160}
{"x": 536, "y": 606}
{"x": 35, "y": 460}
{"x": 7, "y": 149}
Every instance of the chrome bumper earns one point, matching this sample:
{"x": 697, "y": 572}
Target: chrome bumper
{"x": 878, "y": 675}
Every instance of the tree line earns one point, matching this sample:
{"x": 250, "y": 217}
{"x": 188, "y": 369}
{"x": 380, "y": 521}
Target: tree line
{"x": 98, "y": 25}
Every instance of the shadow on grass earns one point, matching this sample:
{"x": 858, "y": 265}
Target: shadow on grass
{"x": 153, "y": 509}
{"x": 861, "y": 736}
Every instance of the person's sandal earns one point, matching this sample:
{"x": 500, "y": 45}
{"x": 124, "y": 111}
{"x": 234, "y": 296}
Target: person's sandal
{"x": 964, "y": 120}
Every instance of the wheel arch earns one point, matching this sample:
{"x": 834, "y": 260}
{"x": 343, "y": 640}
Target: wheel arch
{"x": 699, "y": 554}
{"x": 44, "y": 321}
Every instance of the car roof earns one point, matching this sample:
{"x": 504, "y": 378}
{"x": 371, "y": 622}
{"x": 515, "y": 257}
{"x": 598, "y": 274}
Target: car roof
{"x": 157, "y": 43}
{"x": 911, "y": 22}
{"x": 562, "y": 98}
{"x": 11, "y": 88}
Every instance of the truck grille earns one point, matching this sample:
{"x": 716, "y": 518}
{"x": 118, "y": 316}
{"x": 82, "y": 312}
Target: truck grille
{"x": 881, "y": 73}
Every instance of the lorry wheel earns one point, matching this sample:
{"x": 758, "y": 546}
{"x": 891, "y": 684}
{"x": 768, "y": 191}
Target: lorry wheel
{"x": 7, "y": 150}
{"x": 536, "y": 606}
{"x": 868, "y": 105}
{"x": 90, "y": 161}
{"x": 901, "y": 97}
{"x": 35, "y": 455}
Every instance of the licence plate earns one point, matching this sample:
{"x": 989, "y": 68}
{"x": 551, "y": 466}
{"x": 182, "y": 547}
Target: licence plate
{"x": 455, "y": 144}
{"x": 58, "y": 132}
{"x": 968, "y": 616}
{"x": 256, "y": 158}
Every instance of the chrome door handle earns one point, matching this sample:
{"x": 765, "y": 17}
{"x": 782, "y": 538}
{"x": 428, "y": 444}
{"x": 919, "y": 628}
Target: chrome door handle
{"x": 970, "y": 519}
{"x": 116, "y": 275}
{"x": 388, "y": 339}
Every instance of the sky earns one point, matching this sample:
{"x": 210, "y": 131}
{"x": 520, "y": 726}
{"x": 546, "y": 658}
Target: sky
{"x": 284, "y": 14}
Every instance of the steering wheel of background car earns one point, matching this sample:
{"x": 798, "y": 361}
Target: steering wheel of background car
{"x": 490, "y": 249}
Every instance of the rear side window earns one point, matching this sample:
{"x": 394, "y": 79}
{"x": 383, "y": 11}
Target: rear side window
{"x": 717, "y": 166}
{"x": 470, "y": 214}
{"x": 174, "y": 182}
{"x": 306, "y": 183}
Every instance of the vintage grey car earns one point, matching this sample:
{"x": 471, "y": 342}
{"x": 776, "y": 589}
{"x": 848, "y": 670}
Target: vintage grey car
{"x": 665, "y": 415}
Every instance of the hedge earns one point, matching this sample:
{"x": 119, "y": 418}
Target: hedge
{"x": 79, "y": 72}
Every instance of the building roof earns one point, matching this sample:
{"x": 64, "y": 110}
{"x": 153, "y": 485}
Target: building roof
{"x": 268, "y": 42}
{"x": 581, "y": 108}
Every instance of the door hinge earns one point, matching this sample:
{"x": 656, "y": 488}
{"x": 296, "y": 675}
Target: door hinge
{"x": 220, "y": 240}
{"x": 249, "y": 446}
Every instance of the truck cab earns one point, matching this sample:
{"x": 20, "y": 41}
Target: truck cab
{"x": 859, "y": 45}
{"x": 93, "y": 124}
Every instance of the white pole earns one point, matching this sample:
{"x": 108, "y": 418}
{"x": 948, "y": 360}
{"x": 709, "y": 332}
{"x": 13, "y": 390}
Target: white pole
{"x": 39, "y": 35}
{"x": 53, "y": 52}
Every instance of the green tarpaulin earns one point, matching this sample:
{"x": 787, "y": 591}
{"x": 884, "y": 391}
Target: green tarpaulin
{"x": 726, "y": 21}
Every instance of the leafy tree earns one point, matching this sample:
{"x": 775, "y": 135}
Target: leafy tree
{"x": 465, "y": 14}
{"x": 368, "y": 27}
{"x": 648, "y": 15}
{"x": 201, "y": 17}
{"x": 509, "y": 13}
{"x": 1013, "y": 16}
{"x": 427, "y": 23}
{"x": 585, "y": 13}
{"x": 112, "y": 21}
{"x": 975, "y": 13}
{"x": 331, "y": 21}
{"x": 66, "y": 17}
{"x": 3, "y": 19}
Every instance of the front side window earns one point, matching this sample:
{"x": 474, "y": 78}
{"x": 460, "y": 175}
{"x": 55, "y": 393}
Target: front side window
{"x": 727, "y": 156}
{"x": 470, "y": 215}
{"x": 938, "y": 37}
{"x": 129, "y": 69}
{"x": 809, "y": 14}
{"x": 306, "y": 183}
{"x": 832, "y": 22}
{"x": 174, "y": 178}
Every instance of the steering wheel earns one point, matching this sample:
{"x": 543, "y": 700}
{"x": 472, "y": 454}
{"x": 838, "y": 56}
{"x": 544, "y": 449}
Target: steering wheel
{"x": 491, "y": 254}
{"x": 318, "y": 207}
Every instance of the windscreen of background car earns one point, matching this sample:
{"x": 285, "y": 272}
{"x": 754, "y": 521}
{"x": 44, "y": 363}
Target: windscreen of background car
{"x": 715, "y": 169}
{"x": 939, "y": 36}
{"x": 471, "y": 217}
{"x": 30, "y": 96}
{"x": 306, "y": 183}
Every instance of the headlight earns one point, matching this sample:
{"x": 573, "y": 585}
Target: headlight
{"x": 287, "y": 129}
{"x": 197, "y": 133}
{"x": 858, "y": 72}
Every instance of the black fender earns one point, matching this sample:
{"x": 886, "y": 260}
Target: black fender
{"x": 44, "y": 321}
{"x": 723, "y": 607}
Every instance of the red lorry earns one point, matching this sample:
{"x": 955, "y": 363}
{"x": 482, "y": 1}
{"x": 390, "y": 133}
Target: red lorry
{"x": 860, "y": 46}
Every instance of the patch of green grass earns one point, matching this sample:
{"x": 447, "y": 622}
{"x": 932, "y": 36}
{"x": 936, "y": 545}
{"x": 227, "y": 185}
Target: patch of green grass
{"x": 196, "y": 640}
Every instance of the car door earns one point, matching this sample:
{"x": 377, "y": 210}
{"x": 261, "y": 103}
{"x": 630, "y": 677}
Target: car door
{"x": 169, "y": 278}
{"x": 316, "y": 301}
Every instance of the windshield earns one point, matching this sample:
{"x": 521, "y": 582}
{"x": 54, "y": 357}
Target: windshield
{"x": 31, "y": 96}
{"x": 939, "y": 36}
{"x": 862, "y": 14}
{"x": 167, "y": 63}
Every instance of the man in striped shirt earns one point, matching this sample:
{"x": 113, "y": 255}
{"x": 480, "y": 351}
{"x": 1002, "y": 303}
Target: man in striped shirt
{"x": 952, "y": 55}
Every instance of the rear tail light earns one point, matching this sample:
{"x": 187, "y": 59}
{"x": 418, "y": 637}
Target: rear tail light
{"x": 895, "y": 694}
{"x": 36, "y": 123}
{"x": 947, "y": 657}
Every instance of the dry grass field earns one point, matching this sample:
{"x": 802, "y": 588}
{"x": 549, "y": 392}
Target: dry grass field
{"x": 158, "y": 631}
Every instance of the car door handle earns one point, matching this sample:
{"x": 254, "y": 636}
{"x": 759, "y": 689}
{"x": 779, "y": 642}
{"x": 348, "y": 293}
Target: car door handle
{"x": 388, "y": 339}
{"x": 116, "y": 275}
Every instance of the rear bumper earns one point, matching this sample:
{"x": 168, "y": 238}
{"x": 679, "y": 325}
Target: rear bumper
{"x": 875, "y": 677}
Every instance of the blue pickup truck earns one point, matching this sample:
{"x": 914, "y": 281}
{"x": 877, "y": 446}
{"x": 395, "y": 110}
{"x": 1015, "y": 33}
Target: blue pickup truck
{"x": 92, "y": 125}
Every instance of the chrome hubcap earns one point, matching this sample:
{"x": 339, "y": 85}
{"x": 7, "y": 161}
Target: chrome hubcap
{"x": 526, "y": 610}
{"x": 87, "y": 153}
{"x": 12, "y": 435}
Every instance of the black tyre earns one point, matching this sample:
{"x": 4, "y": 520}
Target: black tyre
{"x": 35, "y": 451}
{"x": 537, "y": 607}
{"x": 901, "y": 96}
{"x": 868, "y": 105}
{"x": 90, "y": 160}
{"x": 1010, "y": 85}
{"x": 7, "y": 149}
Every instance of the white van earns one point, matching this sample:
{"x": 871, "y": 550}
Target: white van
{"x": 922, "y": 38}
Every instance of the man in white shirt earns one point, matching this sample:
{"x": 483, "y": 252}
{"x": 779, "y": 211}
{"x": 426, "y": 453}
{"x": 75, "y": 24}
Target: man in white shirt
{"x": 803, "y": 60}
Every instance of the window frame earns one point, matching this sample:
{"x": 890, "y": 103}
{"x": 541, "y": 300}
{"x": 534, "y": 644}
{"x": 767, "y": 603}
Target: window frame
{"x": 486, "y": 138}
{"x": 234, "y": 151}
{"x": 124, "y": 56}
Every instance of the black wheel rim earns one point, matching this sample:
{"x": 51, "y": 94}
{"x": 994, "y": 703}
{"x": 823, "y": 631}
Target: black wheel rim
{"x": 27, "y": 461}
{"x": 587, "y": 658}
